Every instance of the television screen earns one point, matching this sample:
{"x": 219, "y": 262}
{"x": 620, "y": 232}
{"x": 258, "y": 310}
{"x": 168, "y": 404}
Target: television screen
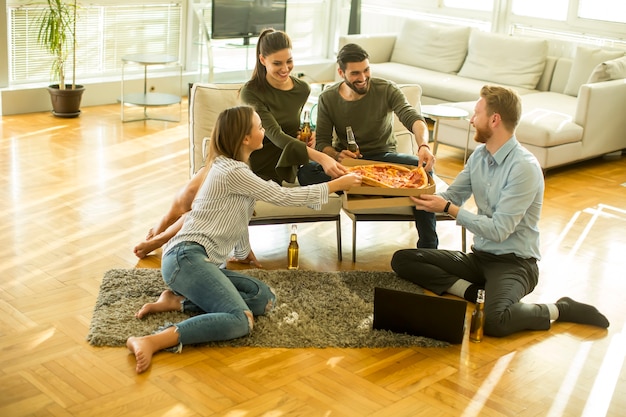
{"x": 246, "y": 18}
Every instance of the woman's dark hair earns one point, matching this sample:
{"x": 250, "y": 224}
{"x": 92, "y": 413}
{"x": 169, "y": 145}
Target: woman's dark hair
{"x": 270, "y": 41}
{"x": 351, "y": 52}
{"x": 230, "y": 129}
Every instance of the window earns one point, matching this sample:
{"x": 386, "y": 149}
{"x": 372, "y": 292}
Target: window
{"x": 481, "y": 5}
{"x": 542, "y": 9}
{"x": 607, "y": 10}
{"x": 602, "y": 10}
{"x": 105, "y": 33}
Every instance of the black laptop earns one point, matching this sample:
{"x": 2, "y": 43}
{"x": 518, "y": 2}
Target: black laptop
{"x": 419, "y": 314}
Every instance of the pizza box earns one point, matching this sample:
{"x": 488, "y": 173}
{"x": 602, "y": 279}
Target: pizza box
{"x": 394, "y": 192}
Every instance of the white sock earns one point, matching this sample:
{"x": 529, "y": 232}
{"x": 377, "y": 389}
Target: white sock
{"x": 554, "y": 311}
{"x": 459, "y": 288}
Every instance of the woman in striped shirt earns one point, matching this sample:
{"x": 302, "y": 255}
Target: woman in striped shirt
{"x": 217, "y": 225}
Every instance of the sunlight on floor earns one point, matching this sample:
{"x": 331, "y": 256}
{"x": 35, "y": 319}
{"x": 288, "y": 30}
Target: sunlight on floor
{"x": 478, "y": 401}
{"x": 569, "y": 381}
{"x": 607, "y": 378}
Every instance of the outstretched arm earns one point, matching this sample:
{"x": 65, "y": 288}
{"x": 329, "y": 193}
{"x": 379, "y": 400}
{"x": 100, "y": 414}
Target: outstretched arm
{"x": 171, "y": 222}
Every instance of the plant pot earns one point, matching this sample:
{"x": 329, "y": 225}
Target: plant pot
{"x": 66, "y": 103}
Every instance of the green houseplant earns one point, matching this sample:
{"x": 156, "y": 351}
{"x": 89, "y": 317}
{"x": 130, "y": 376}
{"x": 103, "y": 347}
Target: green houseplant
{"x": 57, "y": 35}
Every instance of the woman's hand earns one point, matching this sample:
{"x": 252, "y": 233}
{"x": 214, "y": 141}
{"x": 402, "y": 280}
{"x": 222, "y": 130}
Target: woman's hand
{"x": 344, "y": 183}
{"x": 249, "y": 260}
{"x": 331, "y": 167}
{"x": 311, "y": 142}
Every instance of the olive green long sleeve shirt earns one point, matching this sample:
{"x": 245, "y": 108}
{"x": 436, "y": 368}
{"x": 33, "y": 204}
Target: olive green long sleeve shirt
{"x": 282, "y": 152}
{"x": 371, "y": 117}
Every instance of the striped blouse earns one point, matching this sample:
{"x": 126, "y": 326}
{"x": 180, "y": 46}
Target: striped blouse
{"x": 224, "y": 205}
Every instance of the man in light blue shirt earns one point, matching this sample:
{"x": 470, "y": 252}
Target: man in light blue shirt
{"x": 507, "y": 184}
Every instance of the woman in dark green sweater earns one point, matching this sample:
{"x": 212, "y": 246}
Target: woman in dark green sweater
{"x": 278, "y": 98}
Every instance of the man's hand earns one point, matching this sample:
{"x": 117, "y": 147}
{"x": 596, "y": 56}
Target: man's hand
{"x": 347, "y": 154}
{"x": 425, "y": 156}
{"x": 429, "y": 202}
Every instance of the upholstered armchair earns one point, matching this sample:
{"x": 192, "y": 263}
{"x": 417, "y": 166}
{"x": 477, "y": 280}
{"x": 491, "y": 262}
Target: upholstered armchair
{"x": 206, "y": 102}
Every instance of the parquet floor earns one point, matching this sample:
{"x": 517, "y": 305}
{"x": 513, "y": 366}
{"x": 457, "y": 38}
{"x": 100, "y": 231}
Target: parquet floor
{"x": 77, "y": 194}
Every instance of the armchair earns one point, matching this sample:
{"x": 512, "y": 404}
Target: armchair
{"x": 206, "y": 102}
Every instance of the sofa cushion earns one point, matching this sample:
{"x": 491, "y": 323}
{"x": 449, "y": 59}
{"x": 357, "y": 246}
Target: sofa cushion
{"x": 266, "y": 211}
{"x": 585, "y": 61}
{"x": 505, "y": 59}
{"x": 547, "y": 120}
{"x": 431, "y": 46}
{"x": 444, "y": 87}
{"x": 614, "y": 69}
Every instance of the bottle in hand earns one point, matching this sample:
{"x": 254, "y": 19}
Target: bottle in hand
{"x": 293, "y": 249}
{"x": 478, "y": 318}
{"x": 352, "y": 145}
{"x": 305, "y": 130}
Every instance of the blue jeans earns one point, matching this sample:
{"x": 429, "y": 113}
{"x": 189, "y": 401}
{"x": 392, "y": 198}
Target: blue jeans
{"x": 220, "y": 296}
{"x": 425, "y": 222}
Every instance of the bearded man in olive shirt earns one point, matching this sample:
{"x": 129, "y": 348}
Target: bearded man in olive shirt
{"x": 368, "y": 105}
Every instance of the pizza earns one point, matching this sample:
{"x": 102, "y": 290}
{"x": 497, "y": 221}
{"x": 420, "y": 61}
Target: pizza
{"x": 391, "y": 175}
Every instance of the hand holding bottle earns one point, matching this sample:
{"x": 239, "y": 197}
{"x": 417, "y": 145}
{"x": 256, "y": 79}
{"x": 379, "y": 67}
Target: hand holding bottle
{"x": 305, "y": 130}
{"x": 352, "y": 145}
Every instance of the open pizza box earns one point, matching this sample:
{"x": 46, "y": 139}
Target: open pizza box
{"x": 367, "y": 197}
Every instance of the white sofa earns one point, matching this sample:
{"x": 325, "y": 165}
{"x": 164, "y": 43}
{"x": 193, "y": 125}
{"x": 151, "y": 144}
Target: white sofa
{"x": 571, "y": 106}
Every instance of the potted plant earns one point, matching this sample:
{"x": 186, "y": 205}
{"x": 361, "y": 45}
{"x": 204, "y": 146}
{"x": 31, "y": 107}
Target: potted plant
{"x": 57, "y": 34}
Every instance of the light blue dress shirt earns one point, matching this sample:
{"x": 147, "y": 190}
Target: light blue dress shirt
{"x": 508, "y": 191}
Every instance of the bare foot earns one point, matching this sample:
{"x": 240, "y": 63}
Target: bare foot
{"x": 143, "y": 351}
{"x": 168, "y": 301}
{"x": 146, "y": 346}
{"x": 144, "y": 248}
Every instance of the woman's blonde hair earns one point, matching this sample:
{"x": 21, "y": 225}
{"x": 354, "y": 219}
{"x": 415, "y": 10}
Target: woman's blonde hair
{"x": 230, "y": 129}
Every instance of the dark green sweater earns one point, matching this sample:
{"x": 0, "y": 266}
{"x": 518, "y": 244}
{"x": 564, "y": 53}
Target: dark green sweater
{"x": 282, "y": 153}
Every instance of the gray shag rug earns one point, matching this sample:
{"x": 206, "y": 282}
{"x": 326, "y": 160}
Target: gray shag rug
{"x": 313, "y": 309}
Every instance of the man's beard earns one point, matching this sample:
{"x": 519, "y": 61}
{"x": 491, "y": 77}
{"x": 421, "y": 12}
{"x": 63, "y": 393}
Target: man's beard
{"x": 482, "y": 135}
{"x": 358, "y": 90}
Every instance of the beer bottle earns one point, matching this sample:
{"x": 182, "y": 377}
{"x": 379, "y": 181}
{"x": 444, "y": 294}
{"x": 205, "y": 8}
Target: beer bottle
{"x": 352, "y": 145}
{"x": 293, "y": 249}
{"x": 478, "y": 318}
{"x": 305, "y": 130}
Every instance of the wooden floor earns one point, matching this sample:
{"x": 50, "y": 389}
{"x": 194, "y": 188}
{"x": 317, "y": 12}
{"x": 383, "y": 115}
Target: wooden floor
{"x": 77, "y": 194}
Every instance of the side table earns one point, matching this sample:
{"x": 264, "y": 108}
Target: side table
{"x": 440, "y": 112}
{"x": 148, "y": 99}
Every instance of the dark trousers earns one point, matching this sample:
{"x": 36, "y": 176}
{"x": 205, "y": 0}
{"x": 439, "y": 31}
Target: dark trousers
{"x": 505, "y": 278}
{"x": 425, "y": 222}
